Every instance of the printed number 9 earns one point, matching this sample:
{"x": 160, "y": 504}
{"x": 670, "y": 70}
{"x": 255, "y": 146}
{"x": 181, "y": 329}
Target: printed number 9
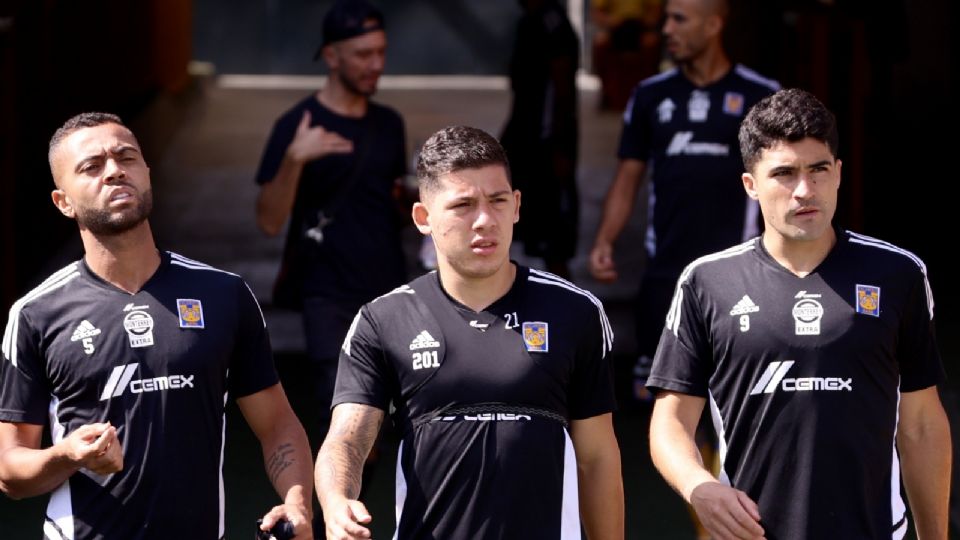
{"x": 744, "y": 323}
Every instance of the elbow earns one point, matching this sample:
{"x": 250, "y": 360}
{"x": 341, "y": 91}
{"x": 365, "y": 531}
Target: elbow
{"x": 11, "y": 491}
{"x": 267, "y": 228}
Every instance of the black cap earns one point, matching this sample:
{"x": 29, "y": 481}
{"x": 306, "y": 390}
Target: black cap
{"x": 347, "y": 19}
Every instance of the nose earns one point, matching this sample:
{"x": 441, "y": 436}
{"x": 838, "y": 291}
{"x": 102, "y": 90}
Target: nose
{"x": 484, "y": 219}
{"x": 378, "y": 62}
{"x": 805, "y": 187}
{"x": 112, "y": 171}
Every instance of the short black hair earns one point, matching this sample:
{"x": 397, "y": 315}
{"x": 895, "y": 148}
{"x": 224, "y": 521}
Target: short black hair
{"x": 455, "y": 148}
{"x": 80, "y": 121}
{"x": 788, "y": 115}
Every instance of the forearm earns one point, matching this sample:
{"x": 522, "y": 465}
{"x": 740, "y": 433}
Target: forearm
{"x": 926, "y": 462}
{"x": 288, "y": 463}
{"x": 26, "y": 472}
{"x": 339, "y": 470}
{"x": 601, "y": 498}
{"x": 618, "y": 204}
{"x": 276, "y": 198}
{"x": 675, "y": 454}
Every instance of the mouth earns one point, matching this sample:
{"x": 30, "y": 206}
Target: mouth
{"x": 483, "y": 246}
{"x": 120, "y": 194}
{"x": 806, "y": 211}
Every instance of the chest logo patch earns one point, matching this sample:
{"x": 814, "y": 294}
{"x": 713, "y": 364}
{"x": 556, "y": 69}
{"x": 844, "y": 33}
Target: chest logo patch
{"x": 190, "y": 312}
{"x": 733, "y": 103}
{"x": 868, "y": 300}
{"x": 665, "y": 110}
{"x": 139, "y": 327}
{"x": 84, "y": 334}
{"x": 698, "y": 107}
{"x": 536, "y": 336}
{"x": 423, "y": 341}
{"x": 807, "y": 313}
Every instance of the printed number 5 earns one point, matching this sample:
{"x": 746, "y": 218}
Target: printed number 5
{"x": 744, "y": 323}
{"x": 88, "y": 345}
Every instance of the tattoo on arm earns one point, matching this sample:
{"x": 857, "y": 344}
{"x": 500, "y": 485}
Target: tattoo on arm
{"x": 353, "y": 430}
{"x": 279, "y": 461}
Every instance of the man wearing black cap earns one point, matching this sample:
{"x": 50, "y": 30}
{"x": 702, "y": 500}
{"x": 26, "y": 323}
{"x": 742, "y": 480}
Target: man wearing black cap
{"x": 331, "y": 166}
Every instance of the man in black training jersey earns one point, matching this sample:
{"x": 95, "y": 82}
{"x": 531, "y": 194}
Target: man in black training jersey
{"x": 815, "y": 350}
{"x": 498, "y": 376}
{"x": 131, "y": 354}
{"x": 331, "y": 167}
{"x": 681, "y": 127}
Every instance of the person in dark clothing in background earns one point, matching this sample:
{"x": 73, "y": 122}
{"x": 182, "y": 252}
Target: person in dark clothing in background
{"x": 541, "y": 135}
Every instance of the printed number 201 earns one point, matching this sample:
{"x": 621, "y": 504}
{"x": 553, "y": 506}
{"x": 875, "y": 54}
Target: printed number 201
{"x": 426, "y": 359}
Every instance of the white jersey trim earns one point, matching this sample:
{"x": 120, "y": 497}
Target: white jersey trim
{"x": 881, "y": 244}
{"x": 752, "y": 75}
{"x": 539, "y": 276}
{"x": 721, "y": 432}
{"x": 54, "y": 282}
{"x": 570, "y": 505}
{"x": 400, "y": 490}
{"x": 674, "y": 313}
{"x": 898, "y": 510}
{"x": 59, "y": 518}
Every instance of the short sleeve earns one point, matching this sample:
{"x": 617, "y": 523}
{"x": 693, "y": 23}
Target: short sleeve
{"x": 251, "y": 368}
{"x": 684, "y": 361}
{"x": 24, "y": 387}
{"x": 280, "y": 137}
{"x": 361, "y": 374}
{"x": 636, "y": 134}
{"x": 591, "y": 393}
{"x": 917, "y": 352}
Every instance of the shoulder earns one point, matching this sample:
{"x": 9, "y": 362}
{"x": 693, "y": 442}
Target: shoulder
{"x": 384, "y": 113}
{"x": 649, "y": 92}
{"x": 48, "y": 289}
{"x": 291, "y": 117}
{"x": 719, "y": 264}
{"x": 879, "y": 252}
{"x": 389, "y": 305}
{"x": 196, "y": 270}
{"x": 659, "y": 81}
{"x": 752, "y": 78}
{"x": 563, "y": 294}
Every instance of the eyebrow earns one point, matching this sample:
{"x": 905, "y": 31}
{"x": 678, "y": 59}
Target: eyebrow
{"x": 789, "y": 168}
{"x": 120, "y": 149}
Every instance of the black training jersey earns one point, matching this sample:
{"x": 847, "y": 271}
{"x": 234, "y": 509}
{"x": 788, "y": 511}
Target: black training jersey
{"x": 688, "y": 135}
{"x": 803, "y": 378}
{"x": 483, "y": 400}
{"x": 159, "y": 365}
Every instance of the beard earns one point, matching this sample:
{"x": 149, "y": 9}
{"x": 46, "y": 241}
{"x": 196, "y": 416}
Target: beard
{"x": 102, "y": 222}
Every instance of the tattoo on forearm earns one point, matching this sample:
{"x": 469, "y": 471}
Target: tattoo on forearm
{"x": 279, "y": 461}
{"x": 353, "y": 430}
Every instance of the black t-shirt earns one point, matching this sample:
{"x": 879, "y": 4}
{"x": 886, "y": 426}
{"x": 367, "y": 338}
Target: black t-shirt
{"x": 803, "y": 377}
{"x": 159, "y": 365}
{"x": 688, "y": 135}
{"x": 361, "y": 256}
{"x": 483, "y": 400}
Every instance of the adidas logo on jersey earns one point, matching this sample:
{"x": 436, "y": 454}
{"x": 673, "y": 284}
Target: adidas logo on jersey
{"x": 84, "y": 330}
{"x": 744, "y": 306}
{"x": 423, "y": 341}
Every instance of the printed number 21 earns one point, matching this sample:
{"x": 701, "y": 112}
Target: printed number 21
{"x": 425, "y": 359}
{"x": 512, "y": 320}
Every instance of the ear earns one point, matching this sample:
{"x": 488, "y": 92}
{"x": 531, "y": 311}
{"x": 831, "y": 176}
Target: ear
{"x": 62, "y": 202}
{"x": 713, "y": 26}
{"x": 330, "y": 56}
{"x": 750, "y": 185}
{"x": 516, "y": 211}
{"x": 421, "y": 217}
{"x": 839, "y": 176}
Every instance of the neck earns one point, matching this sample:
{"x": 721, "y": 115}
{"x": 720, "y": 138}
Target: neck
{"x": 342, "y": 101}
{"x": 477, "y": 293}
{"x": 126, "y": 260}
{"x": 800, "y": 257}
{"x": 707, "y": 68}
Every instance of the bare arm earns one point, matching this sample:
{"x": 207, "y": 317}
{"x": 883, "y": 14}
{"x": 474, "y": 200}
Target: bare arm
{"x": 26, "y": 470}
{"x": 598, "y": 468}
{"x": 727, "y": 513}
{"x": 353, "y": 430}
{"x": 617, "y": 207}
{"x": 923, "y": 439}
{"x": 276, "y": 198}
{"x": 286, "y": 456}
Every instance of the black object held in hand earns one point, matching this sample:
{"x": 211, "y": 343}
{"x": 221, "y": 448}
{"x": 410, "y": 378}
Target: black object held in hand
{"x": 282, "y": 530}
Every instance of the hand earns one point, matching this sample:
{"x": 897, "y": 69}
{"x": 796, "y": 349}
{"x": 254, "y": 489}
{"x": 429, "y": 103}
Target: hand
{"x": 296, "y": 514}
{"x": 602, "y": 266}
{"x": 343, "y": 519}
{"x": 311, "y": 143}
{"x": 726, "y": 513}
{"x": 95, "y": 447}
